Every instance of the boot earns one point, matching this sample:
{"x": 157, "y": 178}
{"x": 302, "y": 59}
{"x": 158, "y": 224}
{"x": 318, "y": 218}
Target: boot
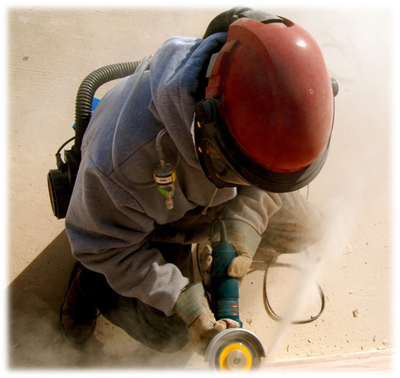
{"x": 78, "y": 313}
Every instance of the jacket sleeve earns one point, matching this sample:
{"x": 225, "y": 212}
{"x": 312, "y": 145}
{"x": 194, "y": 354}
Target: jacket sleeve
{"x": 246, "y": 216}
{"x": 107, "y": 229}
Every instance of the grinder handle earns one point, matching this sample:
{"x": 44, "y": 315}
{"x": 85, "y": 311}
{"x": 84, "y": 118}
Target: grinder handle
{"x": 224, "y": 289}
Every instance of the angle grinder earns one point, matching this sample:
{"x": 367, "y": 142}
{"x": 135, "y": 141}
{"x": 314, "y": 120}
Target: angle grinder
{"x": 235, "y": 349}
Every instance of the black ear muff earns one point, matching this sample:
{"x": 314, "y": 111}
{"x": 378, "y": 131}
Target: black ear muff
{"x": 206, "y": 111}
{"x": 221, "y": 22}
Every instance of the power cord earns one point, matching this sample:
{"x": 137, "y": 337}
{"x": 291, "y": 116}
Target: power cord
{"x": 267, "y": 303}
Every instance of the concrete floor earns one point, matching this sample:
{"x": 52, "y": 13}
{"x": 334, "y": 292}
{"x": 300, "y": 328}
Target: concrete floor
{"x": 50, "y": 51}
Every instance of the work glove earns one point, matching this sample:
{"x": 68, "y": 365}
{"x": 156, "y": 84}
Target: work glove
{"x": 193, "y": 308}
{"x": 245, "y": 241}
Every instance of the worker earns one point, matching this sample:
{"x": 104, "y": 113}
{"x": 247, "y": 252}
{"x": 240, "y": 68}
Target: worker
{"x": 228, "y": 126}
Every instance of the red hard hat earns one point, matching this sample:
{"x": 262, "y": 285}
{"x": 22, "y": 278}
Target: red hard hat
{"x": 269, "y": 108}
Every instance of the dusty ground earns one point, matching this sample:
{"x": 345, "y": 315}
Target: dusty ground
{"x": 50, "y": 51}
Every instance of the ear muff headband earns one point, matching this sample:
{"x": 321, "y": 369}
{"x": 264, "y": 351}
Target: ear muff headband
{"x": 222, "y": 21}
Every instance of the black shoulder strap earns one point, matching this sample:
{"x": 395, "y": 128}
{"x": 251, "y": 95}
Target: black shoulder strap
{"x": 221, "y": 22}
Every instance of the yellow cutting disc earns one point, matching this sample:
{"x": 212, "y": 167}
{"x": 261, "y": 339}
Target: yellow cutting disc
{"x": 235, "y": 357}
{"x": 235, "y": 350}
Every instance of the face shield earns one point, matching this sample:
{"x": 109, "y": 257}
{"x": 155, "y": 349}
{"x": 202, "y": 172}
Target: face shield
{"x": 225, "y": 165}
{"x": 211, "y": 158}
{"x": 218, "y": 167}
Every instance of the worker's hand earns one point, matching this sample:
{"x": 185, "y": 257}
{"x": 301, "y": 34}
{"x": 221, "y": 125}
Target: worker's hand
{"x": 205, "y": 327}
{"x": 240, "y": 265}
{"x": 194, "y": 309}
{"x": 245, "y": 241}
